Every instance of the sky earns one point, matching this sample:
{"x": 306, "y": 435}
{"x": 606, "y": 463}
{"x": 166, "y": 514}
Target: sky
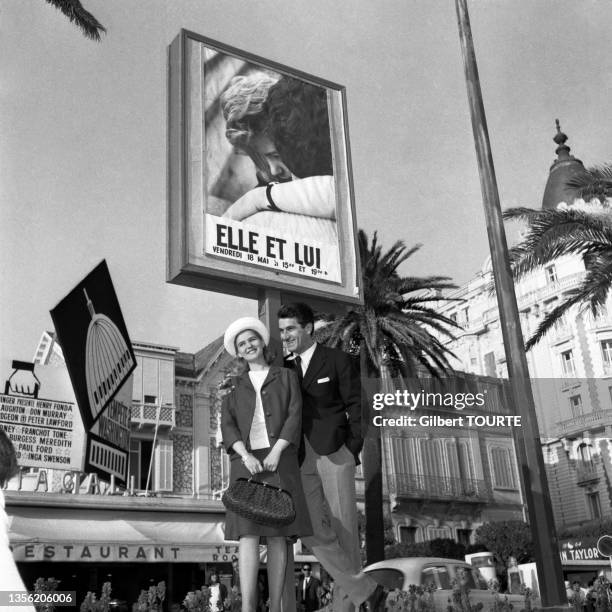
{"x": 83, "y": 135}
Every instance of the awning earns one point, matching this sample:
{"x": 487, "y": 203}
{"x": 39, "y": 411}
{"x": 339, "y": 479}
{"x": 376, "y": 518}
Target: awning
{"x": 116, "y": 535}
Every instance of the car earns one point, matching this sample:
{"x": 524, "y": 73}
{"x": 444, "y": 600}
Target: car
{"x": 400, "y": 573}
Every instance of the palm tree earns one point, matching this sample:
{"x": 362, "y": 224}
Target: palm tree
{"x": 594, "y": 182}
{"x": 391, "y": 332}
{"x": 584, "y": 230}
{"x": 73, "y": 9}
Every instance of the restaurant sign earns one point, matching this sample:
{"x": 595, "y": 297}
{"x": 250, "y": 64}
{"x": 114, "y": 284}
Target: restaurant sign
{"x": 129, "y": 553}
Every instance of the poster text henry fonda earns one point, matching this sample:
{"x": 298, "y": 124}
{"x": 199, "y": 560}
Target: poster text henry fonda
{"x": 401, "y": 400}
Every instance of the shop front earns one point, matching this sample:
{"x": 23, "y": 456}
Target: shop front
{"x": 582, "y": 561}
{"x": 133, "y": 543}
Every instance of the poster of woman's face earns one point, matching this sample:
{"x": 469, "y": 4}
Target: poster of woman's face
{"x": 266, "y": 174}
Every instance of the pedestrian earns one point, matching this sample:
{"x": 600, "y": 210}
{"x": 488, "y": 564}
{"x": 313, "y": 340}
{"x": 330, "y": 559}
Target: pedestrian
{"x": 308, "y": 590}
{"x": 261, "y": 424}
{"x": 331, "y": 424}
{"x": 217, "y": 592}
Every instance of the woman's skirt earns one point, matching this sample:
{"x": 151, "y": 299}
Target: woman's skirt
{"x": 290, "y": 480}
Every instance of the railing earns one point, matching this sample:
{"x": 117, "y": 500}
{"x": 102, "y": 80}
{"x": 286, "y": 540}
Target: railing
{"x": 148, "y": 414}
{"x": 552, "y": 289}
{"x": 586, "y": 474}
{"x": 585, "y": 421}
{"x": 417, "y": 486}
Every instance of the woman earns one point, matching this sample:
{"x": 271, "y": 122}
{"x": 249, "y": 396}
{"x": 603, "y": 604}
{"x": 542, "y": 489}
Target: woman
{"x": 261, "y": 424}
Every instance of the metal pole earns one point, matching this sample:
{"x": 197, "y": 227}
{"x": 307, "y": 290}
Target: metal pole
{"x": 548, "y": 562}
{"x": 268, "y": 303}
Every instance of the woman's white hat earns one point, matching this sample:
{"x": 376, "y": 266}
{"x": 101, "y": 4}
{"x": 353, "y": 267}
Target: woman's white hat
{"x": 241, "y": 325}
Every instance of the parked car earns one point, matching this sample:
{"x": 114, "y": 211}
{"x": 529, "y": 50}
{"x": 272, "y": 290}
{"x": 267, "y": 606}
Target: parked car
{"x": 401, "y": 572}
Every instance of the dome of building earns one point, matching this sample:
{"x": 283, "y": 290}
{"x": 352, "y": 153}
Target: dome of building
{"x": 563, "y": 169}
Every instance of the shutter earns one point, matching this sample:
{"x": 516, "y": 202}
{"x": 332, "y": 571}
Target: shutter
{"x": 163, "y": 465}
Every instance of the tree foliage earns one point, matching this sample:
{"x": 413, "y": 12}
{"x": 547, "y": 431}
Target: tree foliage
{"x": 84, "y": 20}
{"x": 395, "y": 330}
{"x": 398, "y": 324}
{"x": 507, "y": 539}
{"x": 585, "y": 231}
{"x": 440, "y": 547}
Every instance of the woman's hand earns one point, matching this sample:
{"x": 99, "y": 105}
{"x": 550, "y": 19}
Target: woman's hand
{"x": 252, "y": 464}
{"x": 271, "y": 460}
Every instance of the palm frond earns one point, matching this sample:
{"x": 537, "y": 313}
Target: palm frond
{"x": 398, "y": 324}
{"x": 84, "y": 20}
{"x": 595, "y": 182}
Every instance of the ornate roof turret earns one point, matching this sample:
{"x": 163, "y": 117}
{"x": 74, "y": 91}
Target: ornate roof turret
{"x": 564, "y": 168}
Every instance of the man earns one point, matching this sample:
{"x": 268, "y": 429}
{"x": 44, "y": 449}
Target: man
{"x": 331, "y": 424}
{"x": 217, "y": 592}
{"x": 235, "y": 573}
{"x": 308, "y": 590}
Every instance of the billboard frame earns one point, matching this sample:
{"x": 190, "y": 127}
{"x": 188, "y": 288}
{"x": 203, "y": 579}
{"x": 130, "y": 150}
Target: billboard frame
{"x": 187, "y": 261}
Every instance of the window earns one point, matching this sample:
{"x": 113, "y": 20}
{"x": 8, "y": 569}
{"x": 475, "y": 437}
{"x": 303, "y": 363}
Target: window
{"x": 389, "y": 578}
{"x": 434, "y": 533}
{"x": 154, "y": 378}
{"x": 159, "y": 471}
{"x": 576, "y": 405}
{"x": 437, "y": 575}
{"x": 407, "y": 534}
{"x": 490, "y": 365}
{"x": 567, "y": 364}
{"x": 163, "y": 465}
{"x": 551, "y": 274}
{"x": 464, "y": 536}
{"x": 150, "y": 399}
{"x": 594, "y": 504}
{"x": 502, "y": 467}
{"x": 140, "y": 458}
{"x": 586, "y": 453}
{"x": 606, "y": 353}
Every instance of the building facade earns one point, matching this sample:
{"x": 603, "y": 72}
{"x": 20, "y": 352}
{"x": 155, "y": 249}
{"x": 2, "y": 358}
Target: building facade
{"x": 163, "y": 524}
{"x": 570, "y": 367}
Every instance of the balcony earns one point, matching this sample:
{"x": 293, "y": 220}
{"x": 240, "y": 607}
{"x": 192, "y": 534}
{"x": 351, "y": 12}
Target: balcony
{"x": 584, "y": 422}
{"x": 438, "y": 488}
{"x": 152, "y": 414}
{"x": 550, "y": 290}
{"x": 586, "y": 474}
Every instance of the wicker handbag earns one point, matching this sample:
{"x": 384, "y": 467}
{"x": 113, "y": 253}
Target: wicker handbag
{"x": 260, "y": 502}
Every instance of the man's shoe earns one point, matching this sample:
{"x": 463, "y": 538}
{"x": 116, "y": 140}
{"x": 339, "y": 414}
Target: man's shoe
{"x": 375, "y": 602}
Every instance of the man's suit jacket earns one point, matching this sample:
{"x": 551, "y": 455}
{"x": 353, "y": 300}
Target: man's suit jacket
{"x": 331, "y": 401}
{"x": 310, "y": 602}
{"x": 282, "y": 402}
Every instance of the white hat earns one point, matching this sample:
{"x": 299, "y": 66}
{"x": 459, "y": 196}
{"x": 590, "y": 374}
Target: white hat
{"x": 241, "y": 325}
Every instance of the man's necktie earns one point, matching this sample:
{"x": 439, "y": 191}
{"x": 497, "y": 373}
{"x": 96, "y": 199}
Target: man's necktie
{"x": 298, "y": 368}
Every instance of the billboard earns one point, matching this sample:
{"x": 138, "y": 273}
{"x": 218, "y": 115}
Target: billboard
{"x": 260, "y": 189}
{"x": 100, "y": 361}
{"x": 42, "y": 431}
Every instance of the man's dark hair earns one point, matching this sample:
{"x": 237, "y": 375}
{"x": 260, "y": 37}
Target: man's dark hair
{"x": 297, "y": 310}
{"x": 8, "y": 458}
{"x": 298, "y": 124}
